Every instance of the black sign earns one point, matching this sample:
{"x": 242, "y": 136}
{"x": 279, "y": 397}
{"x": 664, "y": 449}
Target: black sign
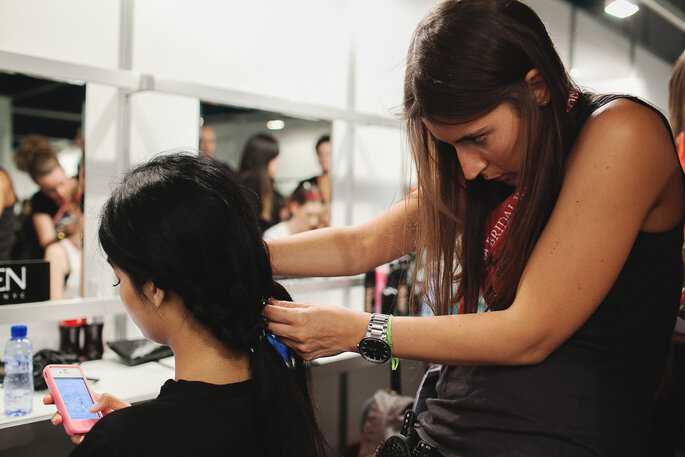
{"x": 24, "y": 281}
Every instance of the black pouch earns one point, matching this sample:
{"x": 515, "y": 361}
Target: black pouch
{"x": 46, "y": 357}
{"x": 407, "y": 443}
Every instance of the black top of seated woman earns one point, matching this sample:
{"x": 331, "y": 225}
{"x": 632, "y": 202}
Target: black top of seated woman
{"x": 188, "y": 418}
{"x": 590, "y": 397}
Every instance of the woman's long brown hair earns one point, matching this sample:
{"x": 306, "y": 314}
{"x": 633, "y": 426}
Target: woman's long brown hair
{"x": 259, "y": 150}
{"x": 466, "y": 58}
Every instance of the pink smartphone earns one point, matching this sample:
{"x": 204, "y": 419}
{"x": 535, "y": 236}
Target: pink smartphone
{"x": 72, "y": 396}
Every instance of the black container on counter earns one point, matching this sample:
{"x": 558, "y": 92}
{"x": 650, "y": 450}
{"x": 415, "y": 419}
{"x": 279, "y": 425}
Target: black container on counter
{"x": 92, "y": 341}
{"x": 70, "y": 336}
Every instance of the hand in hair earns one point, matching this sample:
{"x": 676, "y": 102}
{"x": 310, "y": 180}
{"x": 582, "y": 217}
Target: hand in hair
{"x": 315, "y": 331}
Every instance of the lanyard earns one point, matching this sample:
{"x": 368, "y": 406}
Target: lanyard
{"x": 497, "y": 224}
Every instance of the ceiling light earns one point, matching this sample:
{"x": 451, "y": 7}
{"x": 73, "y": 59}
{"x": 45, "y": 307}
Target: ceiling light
{"x": 621, "y": 8}
{"x": 275, "y": 124}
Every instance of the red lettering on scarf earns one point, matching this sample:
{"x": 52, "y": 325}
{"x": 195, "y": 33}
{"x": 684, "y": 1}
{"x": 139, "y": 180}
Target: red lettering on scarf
{"x": 497, "y": 222}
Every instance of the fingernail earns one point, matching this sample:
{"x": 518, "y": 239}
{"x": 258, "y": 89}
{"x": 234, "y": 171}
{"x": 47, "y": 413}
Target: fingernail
{"x": 53, "y": 420}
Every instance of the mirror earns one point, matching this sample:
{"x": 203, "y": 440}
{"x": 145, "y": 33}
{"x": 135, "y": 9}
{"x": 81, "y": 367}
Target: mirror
{"x": 290, "y": 193}
{"x": 42, "y": 192}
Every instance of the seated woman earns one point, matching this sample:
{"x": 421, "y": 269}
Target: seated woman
{"x": 194, "y": 274}
{"x": 56, "y": 212}
{"x": 306, "y": 209}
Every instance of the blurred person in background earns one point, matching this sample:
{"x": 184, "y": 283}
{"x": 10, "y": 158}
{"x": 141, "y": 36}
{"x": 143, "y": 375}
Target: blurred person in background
{"x": 258, "y": 167}
{"x": 323, "y": 181}
{"x": 208, "y": 141}
{"x": 306, "y": 208}
{"x": 56, "y": 214}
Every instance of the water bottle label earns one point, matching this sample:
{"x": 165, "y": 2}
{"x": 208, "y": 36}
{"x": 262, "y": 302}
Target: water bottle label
{"x": 18, "y": 364}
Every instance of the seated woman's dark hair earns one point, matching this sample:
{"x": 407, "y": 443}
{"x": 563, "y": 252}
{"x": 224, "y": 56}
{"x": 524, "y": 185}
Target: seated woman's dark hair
{"x": 181, "y": 221}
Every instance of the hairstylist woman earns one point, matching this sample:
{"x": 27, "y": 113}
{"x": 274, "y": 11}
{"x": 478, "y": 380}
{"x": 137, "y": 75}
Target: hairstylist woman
{"x": 193, "y": 273}
{"x": 564, "y": 211}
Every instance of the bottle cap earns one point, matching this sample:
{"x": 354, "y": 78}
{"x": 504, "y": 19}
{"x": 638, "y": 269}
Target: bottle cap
{"x": 18, "y": 331}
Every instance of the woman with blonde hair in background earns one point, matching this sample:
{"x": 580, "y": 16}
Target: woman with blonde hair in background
{"x": 56, "y": 214}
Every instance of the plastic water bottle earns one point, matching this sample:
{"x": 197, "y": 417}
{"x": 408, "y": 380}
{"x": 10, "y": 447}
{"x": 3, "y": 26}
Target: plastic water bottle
{"x": 18, "y": 384}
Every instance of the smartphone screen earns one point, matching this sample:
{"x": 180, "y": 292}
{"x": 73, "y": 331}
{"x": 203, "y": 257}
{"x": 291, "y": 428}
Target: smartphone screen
{"x": 76, "y": 398}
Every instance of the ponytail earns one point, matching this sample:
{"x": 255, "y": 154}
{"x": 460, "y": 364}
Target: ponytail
{"x": 283, "y": 398}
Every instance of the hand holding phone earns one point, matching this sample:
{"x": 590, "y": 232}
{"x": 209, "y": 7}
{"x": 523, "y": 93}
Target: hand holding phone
{"x": 72, "y": 396}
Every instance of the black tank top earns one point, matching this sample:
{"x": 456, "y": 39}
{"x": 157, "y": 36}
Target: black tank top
{"x": 590, "y": 397}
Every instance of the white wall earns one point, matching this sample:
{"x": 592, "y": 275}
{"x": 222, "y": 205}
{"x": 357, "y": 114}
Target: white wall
{"x": 296, "y": 49}
{"x": 382, "y": 31}
{"x": 104, "y": 164}
{"x": 161, "y": 123}
{"x": 652, "y": 74}
{"x": 557, "y": 18}
{"x": 76, "y": 31}
{"x": 601, "y": 60}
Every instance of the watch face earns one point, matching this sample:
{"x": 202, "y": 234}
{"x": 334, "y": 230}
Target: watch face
{"x": 374, "y": 350}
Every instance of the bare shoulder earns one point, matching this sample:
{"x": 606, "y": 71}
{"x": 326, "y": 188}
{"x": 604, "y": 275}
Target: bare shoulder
{"x": 624, "y": 134}
{"x": 627, "y": 147}
{"x": 627, "y": 122}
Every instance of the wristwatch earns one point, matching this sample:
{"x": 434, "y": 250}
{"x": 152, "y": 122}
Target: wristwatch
{"x": 374, "y": 346}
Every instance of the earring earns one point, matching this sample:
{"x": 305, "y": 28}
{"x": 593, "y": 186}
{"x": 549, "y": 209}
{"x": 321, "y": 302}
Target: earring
{"x": 546, "y": 101}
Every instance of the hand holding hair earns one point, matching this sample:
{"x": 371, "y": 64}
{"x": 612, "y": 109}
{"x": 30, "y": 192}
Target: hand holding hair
{"x": 315, "y": 330}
